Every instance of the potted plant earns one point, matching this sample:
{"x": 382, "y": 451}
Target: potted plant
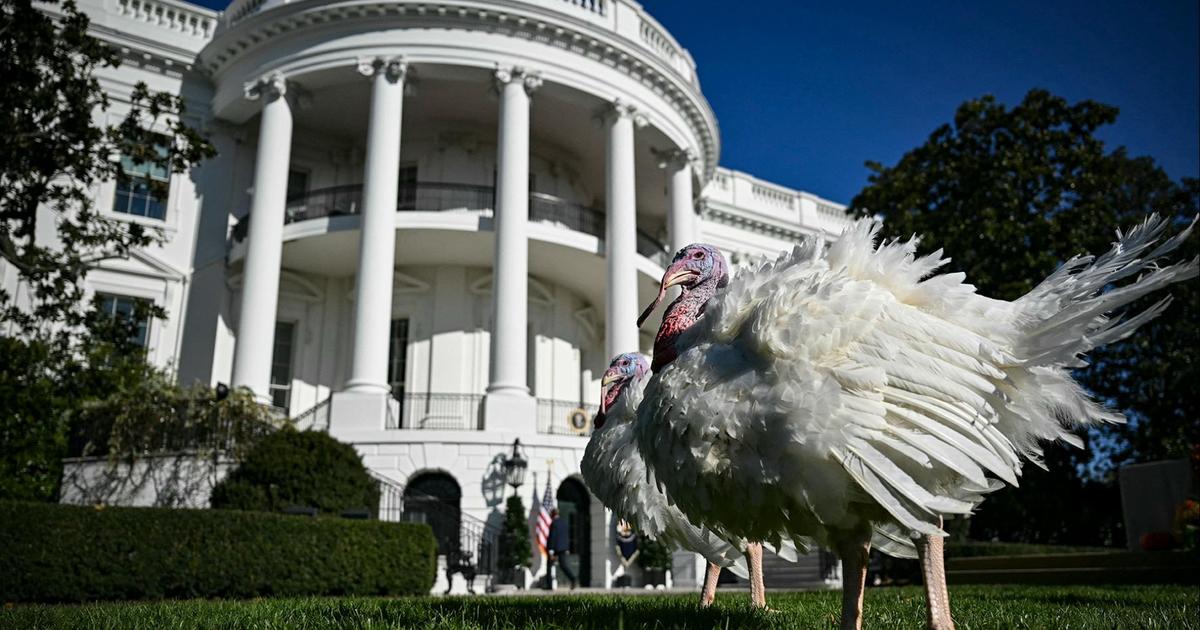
{"x": 655, "y": 560}
{"x": 514, "y": 552}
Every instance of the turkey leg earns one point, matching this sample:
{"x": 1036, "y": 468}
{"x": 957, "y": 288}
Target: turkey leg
{"x": 854, "y": 578}
{"x": 710, "y": 585}
{"x": 933, "y": 570}
{"x": 758, "y": 592}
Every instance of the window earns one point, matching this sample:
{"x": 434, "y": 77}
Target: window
{"x": 297, "y": 185}
{"x": 398, "y": 358}
{"x": 281, "y": 364}
{"x": 124, "y": 308}
{"x": 407, "y": 191}
{"x": 143, "y": 189}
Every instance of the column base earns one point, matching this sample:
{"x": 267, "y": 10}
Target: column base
{"x": 354, "y": 412}
{"x": 510, "y": 410}
{"x": 367, "y": 387}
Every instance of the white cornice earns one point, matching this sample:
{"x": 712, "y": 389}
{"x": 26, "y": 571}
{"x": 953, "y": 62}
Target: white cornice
{"x": 712, "y": 212}
{"x": 523, "y": 21}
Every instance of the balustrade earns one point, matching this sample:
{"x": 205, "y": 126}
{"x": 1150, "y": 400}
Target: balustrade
{"x": 554, "y": 416}
{"x": 168, "y": 15}
{"x": 440, "y": 197}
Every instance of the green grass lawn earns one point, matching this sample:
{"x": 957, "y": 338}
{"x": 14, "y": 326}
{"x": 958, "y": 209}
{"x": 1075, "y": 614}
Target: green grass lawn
{"x": 1056, "y": 608}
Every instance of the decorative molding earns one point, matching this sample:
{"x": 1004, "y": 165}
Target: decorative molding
{"x": 674, "y": 159}
{"x": 539, "y": 293}
{"x": 394, "y": 68}
{"x": 267, "y": 87}
{"x": 751, "y": 225}
{"x": 300, "y": 288}
{"x": 586, "y": 317}
{"x": 679, "y": 90}
{"x": 507, "y": 74}
{"x": 621, "y": 108}
{"x": 402, "y": 284}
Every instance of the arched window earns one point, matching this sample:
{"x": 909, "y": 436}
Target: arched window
{"x": 434, "y": 498}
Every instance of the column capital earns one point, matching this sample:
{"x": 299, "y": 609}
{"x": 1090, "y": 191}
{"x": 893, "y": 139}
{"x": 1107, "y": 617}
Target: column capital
{"x": 508, "y": 74}
{"x": 619, "y": 108}
{"x": 674, "y": 159}
{"x": 273, "y": 86}
{"x": 267, "y": 87}
{"x": 394, "y": 68}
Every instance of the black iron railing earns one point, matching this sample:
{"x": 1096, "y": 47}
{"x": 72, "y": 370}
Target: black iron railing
{"x": 458, "y": 412}
{"x": 441, "y": 196}
{"x": 316, "y": 417}
{"x": 470, "y": 545}
{"x": 562, "y": 417}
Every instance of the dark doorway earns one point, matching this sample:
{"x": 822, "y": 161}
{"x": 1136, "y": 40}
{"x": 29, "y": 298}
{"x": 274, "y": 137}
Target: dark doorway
{"x": 574, "y": 504}
{"x": 434, "y": 498}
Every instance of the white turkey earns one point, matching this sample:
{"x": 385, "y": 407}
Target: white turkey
{"x": 853, "y": 394}
{"x": 615, "y": 473}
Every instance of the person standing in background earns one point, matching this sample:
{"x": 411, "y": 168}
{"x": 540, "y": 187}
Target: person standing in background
{"x": 558, "y": 546}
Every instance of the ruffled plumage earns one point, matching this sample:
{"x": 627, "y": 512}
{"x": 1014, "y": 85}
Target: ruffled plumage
{"x": 615, "y": 473}
{"x": 852, "y": 387}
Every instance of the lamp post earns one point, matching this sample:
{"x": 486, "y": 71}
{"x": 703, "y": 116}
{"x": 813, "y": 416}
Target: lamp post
{"x": 515, "y": 467}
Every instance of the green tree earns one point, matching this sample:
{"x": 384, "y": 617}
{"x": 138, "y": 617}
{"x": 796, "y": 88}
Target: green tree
{"x": 514, "y": 538}
{"x": 1010, "y": 194}
{"x": 53, "y": 152}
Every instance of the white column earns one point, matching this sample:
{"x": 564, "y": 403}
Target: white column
{"x": 621, "y": 308}
{"x": 681, "y": 214}
{"x": 510, "y": 279}
{"x": 264, "y": 243}
{"x": 376, "y": 253}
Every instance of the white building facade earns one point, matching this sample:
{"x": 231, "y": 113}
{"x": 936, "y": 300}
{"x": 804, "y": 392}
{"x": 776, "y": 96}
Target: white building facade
{"x": 429, "y": 225}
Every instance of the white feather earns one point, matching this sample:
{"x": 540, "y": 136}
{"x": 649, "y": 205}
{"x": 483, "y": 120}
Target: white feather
{"x": 838, "y": 388}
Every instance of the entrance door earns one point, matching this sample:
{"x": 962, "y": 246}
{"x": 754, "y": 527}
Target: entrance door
{"x": 574, "y": 504}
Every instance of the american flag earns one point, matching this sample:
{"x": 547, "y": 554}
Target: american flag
{"x": 543, "y": 522}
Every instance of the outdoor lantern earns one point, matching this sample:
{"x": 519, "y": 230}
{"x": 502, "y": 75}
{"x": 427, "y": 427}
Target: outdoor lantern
{"x": 514, "y": 467}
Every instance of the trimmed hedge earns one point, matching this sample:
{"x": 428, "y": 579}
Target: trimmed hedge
{"x": 298, "y": 468}
{"x": 53, "y": 553}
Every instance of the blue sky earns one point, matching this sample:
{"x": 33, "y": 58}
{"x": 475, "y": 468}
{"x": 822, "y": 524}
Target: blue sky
{"x": 805, "y": 92}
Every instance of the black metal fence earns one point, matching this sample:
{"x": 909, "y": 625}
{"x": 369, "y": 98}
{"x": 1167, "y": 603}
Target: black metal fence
{"x": 470, "y": 546}
{"x": 564, "y": 417}
{"x": 442, "y": 196}
{"x": 458, "y": 412}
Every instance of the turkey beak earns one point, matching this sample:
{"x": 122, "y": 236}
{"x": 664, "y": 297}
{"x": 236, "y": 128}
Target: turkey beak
{"x": 675, "y": 274}
{"x": 611, "y": 377}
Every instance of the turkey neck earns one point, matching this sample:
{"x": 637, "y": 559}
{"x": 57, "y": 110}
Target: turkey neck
{"x": 681, "y": 315}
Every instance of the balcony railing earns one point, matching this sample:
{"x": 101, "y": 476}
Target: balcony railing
{"x": 443, "y": 196}
{"x": 455, "y": 412}
{"x": 564, "y": 417}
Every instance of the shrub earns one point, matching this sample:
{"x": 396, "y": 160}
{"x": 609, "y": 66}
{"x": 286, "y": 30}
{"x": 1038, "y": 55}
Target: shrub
{"x": 514, "y": 539}
{"x": 298, "y": 468}
{"x": 68, "y": 553}
{"x": 653, "y": 555}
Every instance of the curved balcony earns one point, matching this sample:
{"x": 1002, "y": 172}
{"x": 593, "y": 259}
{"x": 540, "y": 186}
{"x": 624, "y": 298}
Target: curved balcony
{"x": 443, "y": 197}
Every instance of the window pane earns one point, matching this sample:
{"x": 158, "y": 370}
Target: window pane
{"x": 124, "y": 308}
{"x": 134, "y": 195}
{"x": 398, "y": 357}
{"x": 281, "y": 364}
{"x": 297, "y": 184}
